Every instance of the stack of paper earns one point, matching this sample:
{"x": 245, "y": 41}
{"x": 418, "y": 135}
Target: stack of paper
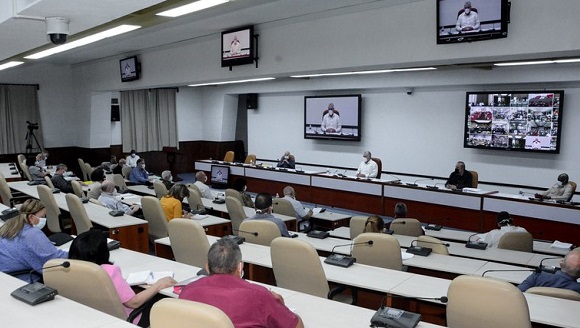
{"x": 147, "y": 277}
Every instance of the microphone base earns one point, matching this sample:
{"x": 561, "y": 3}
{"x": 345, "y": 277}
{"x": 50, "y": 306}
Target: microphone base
{"x": 395, "y": 182}
{"x": 412, "y": 184}
{"x": 34, "y": 293}
{"x": 432, "y": 187}
{"x": 395, "y": 318}
{"x": 319, "y": 234}
{"x": 436, "y": 227}
{"x": 418, "y": 250}
{"x": 476, "y": 245}
{"x": 340, "y": 260}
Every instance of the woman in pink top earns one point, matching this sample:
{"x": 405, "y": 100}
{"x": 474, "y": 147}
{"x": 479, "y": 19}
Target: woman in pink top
{"x": 91, "y": 246}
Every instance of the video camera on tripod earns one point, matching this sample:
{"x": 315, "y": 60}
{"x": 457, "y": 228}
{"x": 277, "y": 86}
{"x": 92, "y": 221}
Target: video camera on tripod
{"x": 32, "y": 126}
{"x": 31, "y": 138}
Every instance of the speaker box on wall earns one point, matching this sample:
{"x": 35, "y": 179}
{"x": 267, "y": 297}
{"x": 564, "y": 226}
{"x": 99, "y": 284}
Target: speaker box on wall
{"x": 115, "y": 113}
{"x": 252, "y": 101}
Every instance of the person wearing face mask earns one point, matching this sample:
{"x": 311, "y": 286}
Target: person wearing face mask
{"x": 287, "y": 161}
{"x": 367, "y": 168}
{"x": 460, "y": 178}
{"x": 331, "y": 121}
{"x": 107, "y": 198}
{"x": 562, "y": 190}
{"x": 246, "y": 304}
{"x": 167, "y": 179}
{"x": 505, "y": 224}
{"x": 240, "y": 184}
{"x": 468, "y": 20}
{"x": 23, "y": 245}
{"x": 59, "y": 181}
{"x": 200, "y": 180}
{"x": 132, "y": 159}
{"x": 139, "y": 175}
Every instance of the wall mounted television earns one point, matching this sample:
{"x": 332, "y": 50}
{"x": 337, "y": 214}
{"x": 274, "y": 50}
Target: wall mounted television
{"x": 519, "y": 120}
{"x": 220, "y": 176}
{"x": 488, "y": 19}
{"x": 342, "y": 123}
{"x": 238, "y": 46}
{"x": 130, "y": 69}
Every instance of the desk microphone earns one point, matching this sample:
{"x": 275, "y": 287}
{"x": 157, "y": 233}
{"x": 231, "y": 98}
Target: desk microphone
{"x": 548, "y": 269}
{"x": 435, "y": 185}
{"x": 423, "y": 251}
{"x": 391, "y": 317}
{"x": 344, "y": 260}
{"x": 517, "y": 270}
{"x": 255, "y": 233}
{"x": 64, "y": 264}
{"x": 414, "y": 184}
{"x": 475, "y": 244}
{"x": 36, "y": 292}
{"x": 397, "y": 181}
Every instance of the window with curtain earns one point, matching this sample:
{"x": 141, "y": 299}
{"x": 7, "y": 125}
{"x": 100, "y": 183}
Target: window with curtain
{"x": 18, "y": 104}
{"x": 148, "y": 119}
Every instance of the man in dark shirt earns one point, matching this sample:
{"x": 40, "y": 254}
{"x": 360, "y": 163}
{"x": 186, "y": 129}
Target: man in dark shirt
{"x": 565, "y": 278}
{"x": 460, "y": 178}
{"x": 59, "y": 181}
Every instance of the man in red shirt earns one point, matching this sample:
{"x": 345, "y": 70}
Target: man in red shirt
{"x": 247, "y": 305}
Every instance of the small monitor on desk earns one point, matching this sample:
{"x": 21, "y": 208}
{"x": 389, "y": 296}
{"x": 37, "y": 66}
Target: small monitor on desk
{"x": 220, "y": 176}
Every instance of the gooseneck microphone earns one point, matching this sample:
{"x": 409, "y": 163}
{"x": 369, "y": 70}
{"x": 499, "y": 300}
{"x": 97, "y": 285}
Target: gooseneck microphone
{"x": 423, "y": 251}
{"x": 255, "y": 233}
{"x": 344, "y": 260}
{"x": 36, "y": 292}
{"x": 475, "y": 244}
{"x": 548, "y": 269}
{"x": 435, "y": 186}
{"x": 64, "y": 264}
{"x": 414, "y": 184}
{"x": 392, "y": 317}
{"x": 397, "y": 181}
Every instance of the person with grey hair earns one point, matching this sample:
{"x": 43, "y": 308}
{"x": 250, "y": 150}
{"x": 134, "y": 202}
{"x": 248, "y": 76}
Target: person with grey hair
{"x": 287, "y": 161}
{"x": 59, "y": 181}
{"x": 107, "y": 198}
{"x": 246, "y": 304}
{"x": 331, "y": 121}
{"x": 468, "y": 20}
{"x": 460, "y": 178}
{"x": 300, "y": 212}
{"x": 200, "y": 180}
{"x": 167, "y": 179}
{"x": 367, "y": 168}
{"x": 263, "y": 204}
{"x": 566, "y": 278}
{"x": 505, "y": 224}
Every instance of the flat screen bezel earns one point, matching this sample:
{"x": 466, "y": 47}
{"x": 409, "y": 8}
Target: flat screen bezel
{"x": 134, "y": 63}
{"x": 332, "y": 99}
{"x": 249, "y": 59}
{"x": 219, "y": 184}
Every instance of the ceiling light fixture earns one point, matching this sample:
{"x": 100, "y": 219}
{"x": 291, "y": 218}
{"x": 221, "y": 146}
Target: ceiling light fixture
{"x": 538, "y": 62}
{"x": 232, "y": 82}
{"x": 10, "y": 64}
{"x": 192, "y": 7}
{"x": 366, "y": 72}
{"x": 564, "y": 61}
{"x": 84, "y": 41}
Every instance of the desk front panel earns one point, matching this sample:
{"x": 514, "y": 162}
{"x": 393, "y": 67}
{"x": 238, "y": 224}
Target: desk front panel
{"x": 134, "y": 237}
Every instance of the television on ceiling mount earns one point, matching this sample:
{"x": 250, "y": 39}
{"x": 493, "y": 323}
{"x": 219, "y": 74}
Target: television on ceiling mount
{"x": 238, "y": 46}
{"x": 486, "y": 19}
{"x": 130, "y": 69}
{"x": 519, "y": 120}
{"x": 333, "y": 117}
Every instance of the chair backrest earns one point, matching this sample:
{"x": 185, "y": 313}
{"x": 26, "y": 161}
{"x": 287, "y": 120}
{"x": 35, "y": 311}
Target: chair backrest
{"x": 474, "y": 179}
{"x": 52, "y": 210}
{"x": 126, "y": 171}
{"x": 236, "y": 212}
{"x": 5, "y": 192}
{"x": 385, "y": 252}
{"x": 81, "y": 165}
{"x": 326, "y": 112}
{"x": 574, "y": 185}
{"x": 160, "y": 189}
{"x": 251, "y": 158}
{"x": 85, "y": 283}
{"x": 379, "y": 165}
{"x": 283, "y": 206}
{"x": 234, "y": 193}
{"x": 153, "y": 213}
{"x": 88, "y": 170}
{"x": 296, "y": 266}
{"x": 26, "y": 172}
{"x": 193, "y": 186}
{"x": 77, "y": 188}
{"x": 477, "y": 302}
{"x": 407, "y": 227}
{"x": 357, "y": 225}
{"x": 21, "y": 158}
{"x": 119, "y": 181}
{"x": 229, "y": 157}
{"x": 267, "y": 231}
{"x": 188, "y": 242}
{"x": 78, "y": 213}
{"x": 49, "y": 182}
{"x": 194, "y": 199}
{"x": 177, "y": 313}
{"x": 435, "y": 244}
{"x": 555, "y": 292}
{"x": 517, "y": 241}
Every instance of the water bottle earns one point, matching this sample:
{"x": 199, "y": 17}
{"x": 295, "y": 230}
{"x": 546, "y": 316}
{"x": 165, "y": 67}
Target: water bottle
{"x": 277, "y": 196}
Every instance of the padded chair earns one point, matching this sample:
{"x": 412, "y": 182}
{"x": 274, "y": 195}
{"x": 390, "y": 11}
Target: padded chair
{"x": 126, "y": 171}
{"x": 229, "y": 157}
{"x": 234, "y": 193}
{"x": 283, "y": 206}
{"x": 160, "y": 189}
{"x": 86, "y": 283}
{"x": 26, "y": 171}
{"x": 574, "y": 185}
{"x": 266, "y": 230}
{"x": 119, "y": 182}
{"x": 407, "y": 227}
{"x": 82, "y": 167}
{"x": 193, "y": 186}
{"x": 194, "y": 199}
{"x": 435, "y": 244}
{"x": 21, "y": 158}
{"x": 296, "y": 266}
{"x": 177, "y": 313}
{"x": 5, "y": 192}
{"x": 88, "y": 170}
{"x": 517, "y": 241}
{"x": 77, "y": 189}
{"x": 236, "y": 213}
{"x": 474, "y": 179}
{"x": 357, "y": 225}
{"x": 49, "y": 182}
{"x": 78, "y": 213}
{"x": 477, "y": 302}
{"x": 153, "y": 213}
{"x": 555, "y": 292}
{"x": 379, "y": 165}
{"x": 251, "y": 158}
{"x": 53, "y": 214}
{"x": 385, "y": 252}
{"x": 188, "y": 242}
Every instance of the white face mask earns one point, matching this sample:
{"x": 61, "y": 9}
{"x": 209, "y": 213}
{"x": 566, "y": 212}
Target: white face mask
{"x": 132, "y": 155}
{"x": 41, "y": 222}
{"x": 286, "y": 157}
{"x": 143, "y": 166}
{"x": 245, "y": 188}
{"x": 467, "y": 11}
{"x": 170, "y": 178}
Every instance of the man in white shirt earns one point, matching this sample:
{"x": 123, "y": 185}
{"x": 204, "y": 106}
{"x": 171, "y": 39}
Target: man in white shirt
{"x": 108, "y": 199}
{"x": 301, "y": 214}
{"x": 367, "y": 168}
{"x": 505, "y": 224}
{"x": 201, "y": 179}
{"x": 562, "y": 190}
{"x": 331, "y": 121}
{"x": 468, "y": 20}
{"x": 132, "y": 159}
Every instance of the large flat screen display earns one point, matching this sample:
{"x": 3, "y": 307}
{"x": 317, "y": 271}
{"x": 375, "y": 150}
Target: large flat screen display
{"x": 238, "y": 46}
{"x": 522, "y": 121}
{"x": 129, "y": 69}
{"x": 468, "y": 21}
{"x": 332, "y": 117}
{"x": 219, "y": 176}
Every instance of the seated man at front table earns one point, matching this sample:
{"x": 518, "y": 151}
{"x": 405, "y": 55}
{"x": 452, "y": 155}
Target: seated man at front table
{"x": 505, "y": 224}
{"x": 107, "y": 198}
{"x": 200, "y": 180}
{"x": 246, "y": 304}
{"x": 138, "y": 174}
{"x": 331, "y": 121}
{"x": 566, "y": 278}
{"x": 301, "y": 214}
{"x": 59, "y": 181}
{"x": 367, "y": 168}
{"x": 263, "y": 205}
{"x": 468, "y": 20}
{"x": 562, "y": 190}
{"x": 460, "y": 178}
{"x": 167, "y": 179}
{"x": 286, "y": 161}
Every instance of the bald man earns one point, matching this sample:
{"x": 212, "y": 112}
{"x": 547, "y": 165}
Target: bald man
{"x": 565, "y": 278}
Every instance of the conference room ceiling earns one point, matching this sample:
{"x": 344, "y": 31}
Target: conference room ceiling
{"x": 20, "y": 36}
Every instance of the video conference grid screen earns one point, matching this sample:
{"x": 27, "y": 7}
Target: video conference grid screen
{"x": 220, "y": 174}
{"x": 524, "y": 121}
{"x": 492, "y": 16}
{"x": 343, "y": 124}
